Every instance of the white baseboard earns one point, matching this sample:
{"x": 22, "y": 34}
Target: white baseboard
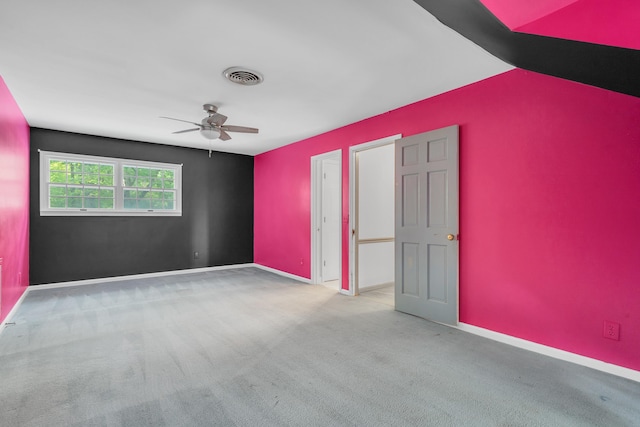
{"x": 552, "y": 352}
{"x": 13, "y": 311}
{"x": 33, "y": 288}
{"x": 283, "y": 273}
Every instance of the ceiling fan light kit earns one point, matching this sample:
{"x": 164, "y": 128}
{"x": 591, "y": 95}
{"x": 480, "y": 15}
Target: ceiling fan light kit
{"x": 210, "y": 133}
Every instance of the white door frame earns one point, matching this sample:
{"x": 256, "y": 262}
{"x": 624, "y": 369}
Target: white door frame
{"x": 353, "y": 150}
{"x": 316, "y": 215}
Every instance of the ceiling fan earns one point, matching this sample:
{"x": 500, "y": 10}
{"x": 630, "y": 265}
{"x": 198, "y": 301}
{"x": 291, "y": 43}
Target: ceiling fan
{"x": 213, "y": 127}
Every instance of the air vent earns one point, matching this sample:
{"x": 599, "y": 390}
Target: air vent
{"x": 242, "y": 76}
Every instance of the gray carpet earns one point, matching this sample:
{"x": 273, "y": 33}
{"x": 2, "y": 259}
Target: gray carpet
{"x": 249, "y": 348}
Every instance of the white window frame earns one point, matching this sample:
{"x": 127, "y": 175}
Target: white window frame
{"x": 118, "y": 210}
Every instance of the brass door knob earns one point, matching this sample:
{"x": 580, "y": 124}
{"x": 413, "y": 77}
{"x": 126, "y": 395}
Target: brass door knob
{"x": 450, "y": 237}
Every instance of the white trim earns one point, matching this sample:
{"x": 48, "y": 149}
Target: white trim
{"x": 552, "y": 352}
{"x": 13, "y": 311}
{"x": 283, "y": 273}
{"x": 316, "y": 205}
{"x": 391, "y": 139}
{"x": 33, "y": 288}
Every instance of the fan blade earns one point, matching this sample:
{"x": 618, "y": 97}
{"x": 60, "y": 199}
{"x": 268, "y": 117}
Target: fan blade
{"x": 180, "y": 120}
{"x": 217, "y": 119}
{"x": 186, "y": 130}
{"x": 224, "y": 136}
{"x": 244, "y": 129}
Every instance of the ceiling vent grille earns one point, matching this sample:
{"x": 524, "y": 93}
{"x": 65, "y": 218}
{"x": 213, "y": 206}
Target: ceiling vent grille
{"x": 242, "y": 76}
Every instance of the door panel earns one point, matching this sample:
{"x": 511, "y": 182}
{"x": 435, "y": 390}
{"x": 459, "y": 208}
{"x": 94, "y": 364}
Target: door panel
{"x": 426, "y": 214}
{"x": 410, "y": 273}
{"x": 410, "y": 200}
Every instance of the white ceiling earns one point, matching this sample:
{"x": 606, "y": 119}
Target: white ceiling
{"x": 111, "y": 68}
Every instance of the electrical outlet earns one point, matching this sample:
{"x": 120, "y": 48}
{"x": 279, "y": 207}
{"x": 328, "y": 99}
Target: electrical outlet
{"x": 196, "y": 255}
{"x": 611, "y": 330}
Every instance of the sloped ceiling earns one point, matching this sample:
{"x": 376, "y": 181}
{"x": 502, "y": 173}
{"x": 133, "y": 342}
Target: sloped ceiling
{"x": 608, "y": 22}
{"x": 610, "y": 67}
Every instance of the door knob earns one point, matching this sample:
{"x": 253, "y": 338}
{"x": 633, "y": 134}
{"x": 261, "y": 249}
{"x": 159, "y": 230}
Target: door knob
{"x": 450, "y": 237}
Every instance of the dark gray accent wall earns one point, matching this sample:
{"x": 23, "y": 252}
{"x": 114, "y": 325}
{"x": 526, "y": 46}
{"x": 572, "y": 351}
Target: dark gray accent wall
{"x": 216, "y": 221}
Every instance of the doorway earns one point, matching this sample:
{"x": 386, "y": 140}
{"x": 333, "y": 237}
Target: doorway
{"x": 326, "y": 219}
{"x": 372, "y": 225}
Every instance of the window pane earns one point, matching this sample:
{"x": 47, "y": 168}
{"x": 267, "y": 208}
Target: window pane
{"x": 106, "y": 180}
{"x": 144, "y": 204}
{"x": 57, "y": 202}
{"x": 168, "y": 174}
{"x": 106, "y": 194}
{"x": 106, "y": 169}
{"x": 129, "y": 171}
{"x": 168, "y": 183}
{"x": 156, "y": 204}
{"x": 143, "y": 172}
{"x": 57, "y": 165}
{"x": 91, "y": 179}
{"x": 142, "y": 183}
{"x": 91, "y": 168}
{"x": 130, "y": 203}
{"x": 90, "y": 203}
{"x": 58, "y": 191}
{"x": 58, "y": 177}
{"x": 129, "y": 181}
{"x": 168, "y": 195}
{"x": 156, "y": 183}
{"x": 74, "y": 167}
{"x": 74, "y": 191}
{"x": 75, "y": 178}
{"x": 106, "y": 203}
{"x": 168, "y": 204}
{"x": 74, "y": 202}
{"x": 155, "y": 173}
{"x": 91, "y": 192}
{"x": 130, "y": 194}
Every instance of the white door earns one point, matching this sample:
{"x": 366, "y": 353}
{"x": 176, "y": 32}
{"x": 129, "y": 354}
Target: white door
{"x": 426, "y": 206}
{"x": 330, "y": 221}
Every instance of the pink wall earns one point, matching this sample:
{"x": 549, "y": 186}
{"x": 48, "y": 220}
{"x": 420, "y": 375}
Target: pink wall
{"x": 515, "y": 13}
{"x": 610, "y": 22}
{"x": 14, "y": 201}
{"x": 549, "y": 207}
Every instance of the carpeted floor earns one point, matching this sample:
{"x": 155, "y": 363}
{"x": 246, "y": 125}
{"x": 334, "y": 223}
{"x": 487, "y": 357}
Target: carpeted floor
{"x": 248, "y": 348}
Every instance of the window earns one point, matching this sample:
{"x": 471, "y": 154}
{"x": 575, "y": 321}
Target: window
{"x": 73, "y": 184}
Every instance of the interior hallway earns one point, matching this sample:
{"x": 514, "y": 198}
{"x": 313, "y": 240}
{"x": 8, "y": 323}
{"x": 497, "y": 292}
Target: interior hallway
{"x": 247, "y": 347}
